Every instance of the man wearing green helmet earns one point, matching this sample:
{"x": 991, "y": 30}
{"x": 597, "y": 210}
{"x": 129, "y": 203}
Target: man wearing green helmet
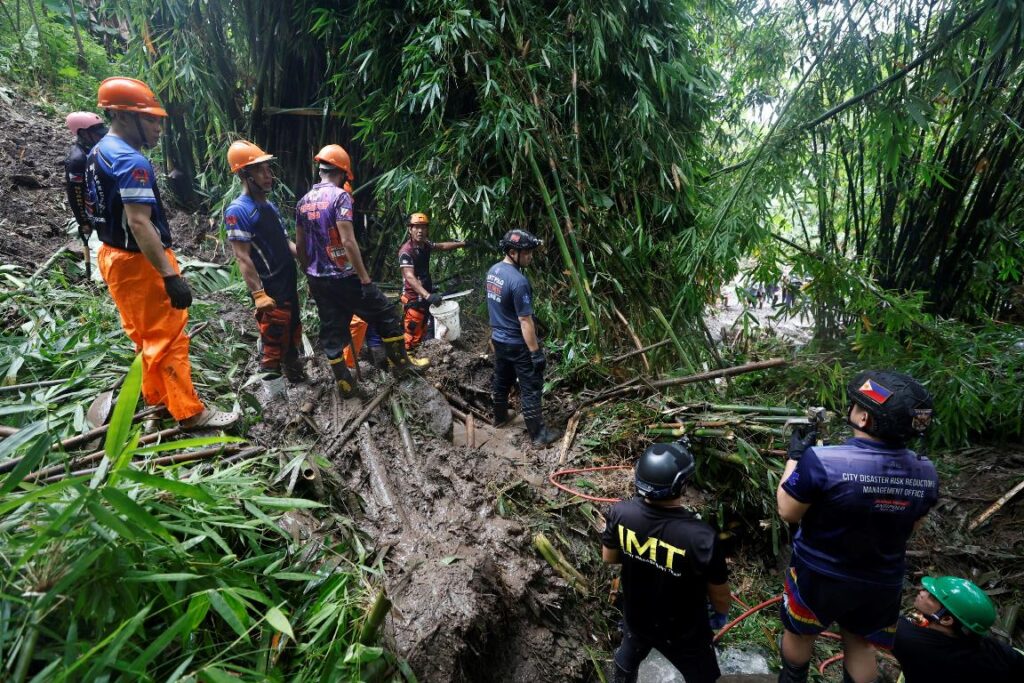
{"x": 948, "y": 641}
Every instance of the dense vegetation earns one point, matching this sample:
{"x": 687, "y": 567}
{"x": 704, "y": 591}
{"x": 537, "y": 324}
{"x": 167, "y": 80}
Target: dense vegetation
{"x": 661, "y": 148}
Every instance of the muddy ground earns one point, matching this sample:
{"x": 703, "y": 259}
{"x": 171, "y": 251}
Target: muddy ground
{"x": 452, "y": 525}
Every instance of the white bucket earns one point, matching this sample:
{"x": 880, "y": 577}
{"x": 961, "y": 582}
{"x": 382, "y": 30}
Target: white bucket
{"x": 446, "y": 320}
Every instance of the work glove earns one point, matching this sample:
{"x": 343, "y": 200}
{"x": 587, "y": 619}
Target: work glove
{"x": 538, "y": 360}
{"x": 370, "y": 291}
{"x": 435, "y": 299}
{"x": 263, "y": 301}
{"x": 801, "y": 439}
{"x": 717, "y": 620}
{"x": 178, "y": 291}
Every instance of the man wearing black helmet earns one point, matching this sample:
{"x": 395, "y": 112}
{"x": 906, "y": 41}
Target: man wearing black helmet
{"x": 857, "y": 504}
{"x": 517, "y": 350}
{"x": 672, "y": 568}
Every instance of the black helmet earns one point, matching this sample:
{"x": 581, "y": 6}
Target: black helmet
{"x": 518, "y": 239}
{"x": 663, "y": 469}
{"x": 900, "y": 408}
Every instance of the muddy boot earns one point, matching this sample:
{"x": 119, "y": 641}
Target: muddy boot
{"x": 346, "y": 383}
{"x": 540, "y": 435}
{"x": 502, "y": 416}
{"x": 378, "y": 357}
{"x": 398, "y": 359}
{"x": 294, "y": 371}
{"x": 274, "y": 388}
{"x": 792, "y": 673}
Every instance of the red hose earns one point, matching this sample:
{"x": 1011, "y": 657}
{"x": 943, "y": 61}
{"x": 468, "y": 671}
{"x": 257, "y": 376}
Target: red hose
{"x": 831, "y": 660}
{"x": 758, "y": 608}
{"x": 562, "y": 473}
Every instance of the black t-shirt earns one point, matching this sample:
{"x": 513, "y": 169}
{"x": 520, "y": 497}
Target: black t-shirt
{"x": 668, "y": 559}
{"x": 74, "y": 182}
{"x": 928, "y": 656}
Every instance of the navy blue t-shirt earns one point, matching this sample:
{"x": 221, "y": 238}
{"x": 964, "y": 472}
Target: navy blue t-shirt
{"x": 864, "y": 499}
{"x": 117, "y": 174}
{"x": 509, "y": 296}
{"x": 261, "y": 226}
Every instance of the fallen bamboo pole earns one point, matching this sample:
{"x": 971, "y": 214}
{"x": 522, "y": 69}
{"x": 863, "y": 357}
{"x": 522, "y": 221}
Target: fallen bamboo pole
{"x": 465, "y": 407}
{"x": 470, "y": 431}
{"x": 9, "y": 465}
{"x": 361, "y": 417}
{"x": 403, "y": 429}
{"x": 98, "y": 455}
{"x": 561, "y": 565}
{"x": 996, "y": 506}
{"x": 33, "y": 385}
{"x": 157, "y": 462}
{"x": 637, "y": 352}
{"x": 767, "y": 410}
{"x": 634, "y": 384}
{"x": 380, "y": 609}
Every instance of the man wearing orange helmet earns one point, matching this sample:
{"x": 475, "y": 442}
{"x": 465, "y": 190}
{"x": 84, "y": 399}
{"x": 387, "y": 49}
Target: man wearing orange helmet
{"x": 339, "y": 282}
{"x": 418, "y": 294}
{"x": 266, "y": 259}
{"x": 88, "y": 129}
{"x": 135, "y": 259}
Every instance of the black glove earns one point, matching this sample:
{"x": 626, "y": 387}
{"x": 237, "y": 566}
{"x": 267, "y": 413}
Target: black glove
{"x": 802, "y": 439}
{"x": 370, "y": 291}
{"x": 717, "y": 620}
{"x": 178, "y": 291}
{"x": 538, "y": 360}
{"x": 435, "y": 299}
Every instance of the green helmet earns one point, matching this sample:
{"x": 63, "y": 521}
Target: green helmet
{"x": 964, "y": 600}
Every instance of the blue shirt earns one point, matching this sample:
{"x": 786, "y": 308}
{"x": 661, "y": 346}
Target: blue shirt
{"x": 117, "y": 174}
{"x": 509, "y": 296}
{"x": 864, "y": 499}
{"x": 260, "y": 224}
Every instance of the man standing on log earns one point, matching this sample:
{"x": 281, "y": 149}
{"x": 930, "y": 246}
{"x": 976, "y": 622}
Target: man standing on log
{"x": 338, "y": 280}
{"x": 418, "y": 294}
{"x": 136, "y": 260}
{"x": 673, "y": 570}
{"x": 266, "y": 259}
{"x": 517, "y": 350}
{"x": 857, "y": 505}
{"x": 948, "y": 639}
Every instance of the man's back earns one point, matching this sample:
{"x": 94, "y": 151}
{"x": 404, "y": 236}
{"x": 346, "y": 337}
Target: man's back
{"x": 318, "y": 212}
{"x": 928, "y": 656}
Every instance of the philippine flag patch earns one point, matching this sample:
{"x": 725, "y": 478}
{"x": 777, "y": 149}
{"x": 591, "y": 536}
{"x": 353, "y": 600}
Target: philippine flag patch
{"x": 875, "y": 391}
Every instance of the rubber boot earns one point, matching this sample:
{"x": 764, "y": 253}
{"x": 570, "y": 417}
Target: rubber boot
{"x": 274, "y": 388}
{"x": 346, "y": 383}
{"x": 540, "y": 435}
{"x": 502, "y": 417}
{"x": 793, "y": 674}
{"x": 294, "y": 370}
{"x": 398, "y": 359}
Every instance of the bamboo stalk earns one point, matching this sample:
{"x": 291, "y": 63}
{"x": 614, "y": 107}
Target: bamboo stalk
{"x": 768, "y": 410}
{"x": 465, "y": 407}
{"x": 581, "y": 294}
{"x": 650, "y": 347}
{"x": 470, "y": 431}
{"x": 559, "y": 563}
{"x": 380, "y": 609}
{"x": 361, "y": 417}
{"x": 633, "y": 385}
{"x": 157, "y": 462}
{"x": 996, "y": 506}
{"x": 98, "y": 455}
{"x": 403, "y": 429}
{"x": 32, "y": 385}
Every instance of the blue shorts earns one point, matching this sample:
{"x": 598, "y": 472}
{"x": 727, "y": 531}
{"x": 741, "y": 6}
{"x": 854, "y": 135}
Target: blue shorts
{"x": 812, "y": 601}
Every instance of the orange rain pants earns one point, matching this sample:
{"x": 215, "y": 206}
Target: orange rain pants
{"x": 415, "y": 322}
{"x": 157, "y": 329}
{"x": 356, "y": 328}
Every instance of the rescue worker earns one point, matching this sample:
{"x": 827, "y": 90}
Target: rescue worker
{"x": 948, "y": 639}
{"x": 266, "y": 259}
{"x": 857, "y": 505}
{"x": 338, "y": 280}
{"x": 517, "y": 350}
{"x": 88, "y": 128}
{"x": 135, "y": 259}
{"x": 418, "y": 294}
{"x": 673, "y": 569}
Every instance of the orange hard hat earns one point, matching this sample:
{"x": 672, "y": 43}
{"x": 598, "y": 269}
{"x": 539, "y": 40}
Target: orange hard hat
{"x": 243, "y": 153}
{"x": 128, "y": 94}
{"x": 419, "y": 219}
{"x": 336, "y": 156}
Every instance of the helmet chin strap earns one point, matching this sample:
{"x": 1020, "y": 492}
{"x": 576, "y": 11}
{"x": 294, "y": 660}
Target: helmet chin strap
{"x": 138, "y": 129}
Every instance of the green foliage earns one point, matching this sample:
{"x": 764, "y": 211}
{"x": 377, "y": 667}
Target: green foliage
{"x": 143, "y": 573}
{"x": 49, "y": 56}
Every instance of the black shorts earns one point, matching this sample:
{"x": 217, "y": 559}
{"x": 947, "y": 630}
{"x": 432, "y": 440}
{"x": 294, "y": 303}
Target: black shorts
{"x": 693, "y": 657}
{"x": 813, "y": 601}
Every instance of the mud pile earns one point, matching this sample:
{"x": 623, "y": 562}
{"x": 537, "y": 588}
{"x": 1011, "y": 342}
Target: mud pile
{"x": 472, "y": 600}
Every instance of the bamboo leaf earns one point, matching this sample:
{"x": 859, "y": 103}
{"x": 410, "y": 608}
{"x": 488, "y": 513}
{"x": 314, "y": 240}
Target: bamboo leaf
{"x": 278, "y": 620}
{"x": 178, "y": 488}
{"x": 120, "y": 422}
